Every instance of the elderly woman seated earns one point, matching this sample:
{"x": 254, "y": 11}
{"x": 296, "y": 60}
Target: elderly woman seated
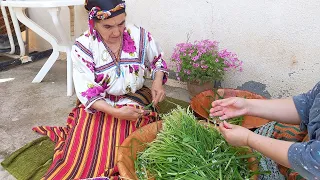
{"x": 110, "y": 61}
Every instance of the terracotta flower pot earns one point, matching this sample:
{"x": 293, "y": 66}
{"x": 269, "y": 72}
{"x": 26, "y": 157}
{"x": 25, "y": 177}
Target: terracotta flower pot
{"x": 195, "y": 88}
{"x": 134, "y": 143}
{"x": 202, "y": 102}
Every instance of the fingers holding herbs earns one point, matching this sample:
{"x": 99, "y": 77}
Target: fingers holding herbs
{"x": 229, "y": 108}
{"x": 235, "y": 135}
{"x": 129, "y": 113}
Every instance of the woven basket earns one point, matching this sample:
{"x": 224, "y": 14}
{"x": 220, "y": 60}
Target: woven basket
{"x": 202, "y": 102}
{"x": 134, "y": 143}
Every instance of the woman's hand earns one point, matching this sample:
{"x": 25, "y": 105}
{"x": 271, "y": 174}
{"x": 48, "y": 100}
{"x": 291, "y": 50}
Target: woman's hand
{"x": 234, "y": 135}
{"x": 240, "y": 136}
{"x": 128, "y": 113}
{"x": 157, "y": 89}
{"x": 229, "y": 108}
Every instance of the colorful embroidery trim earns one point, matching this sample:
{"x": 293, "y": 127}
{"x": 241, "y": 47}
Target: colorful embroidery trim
{"x": 83, "y": 49}
{"x": 127, "y": 60}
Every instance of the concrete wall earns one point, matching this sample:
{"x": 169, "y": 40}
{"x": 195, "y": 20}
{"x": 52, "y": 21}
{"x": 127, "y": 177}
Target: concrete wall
{"x": 277, "y": 40}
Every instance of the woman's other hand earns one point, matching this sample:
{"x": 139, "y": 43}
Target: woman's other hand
{"x": 229, "y": 108}
{"x": 129, "y": 113}
{"x": 157, "y": 89}
{"x": 240, "y": 136}
{"x": 234, "y": 135}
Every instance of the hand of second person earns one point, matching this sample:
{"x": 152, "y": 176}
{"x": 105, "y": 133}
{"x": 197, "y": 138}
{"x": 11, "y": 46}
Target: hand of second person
{"x": 158, "y": 92}
{"x": 234, "y": 135}
{"x": 229, "y": 108}
{"x": 129, "y": 113}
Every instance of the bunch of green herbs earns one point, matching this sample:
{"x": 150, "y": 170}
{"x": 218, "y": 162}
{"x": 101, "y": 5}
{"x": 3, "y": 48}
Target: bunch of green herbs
{"x": 215, "y": 120}
{"x": 186, "y": 149}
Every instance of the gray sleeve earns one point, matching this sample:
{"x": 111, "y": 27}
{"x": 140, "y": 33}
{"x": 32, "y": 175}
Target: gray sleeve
{"x": 305, "y": 159}
{"x": 303, "y": 103}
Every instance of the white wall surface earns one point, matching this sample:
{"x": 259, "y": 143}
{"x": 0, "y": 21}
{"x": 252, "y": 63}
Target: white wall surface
{"x": 277, "y": 40}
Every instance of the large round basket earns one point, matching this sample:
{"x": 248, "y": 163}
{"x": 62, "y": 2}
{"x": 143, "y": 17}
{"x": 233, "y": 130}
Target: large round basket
{"x": 201, "y": 103}
{"x": 135, "y": 142}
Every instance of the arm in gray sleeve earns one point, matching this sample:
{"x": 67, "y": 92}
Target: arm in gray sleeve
{"x": 305, "y": 158}
{"x": 304, "y": 102}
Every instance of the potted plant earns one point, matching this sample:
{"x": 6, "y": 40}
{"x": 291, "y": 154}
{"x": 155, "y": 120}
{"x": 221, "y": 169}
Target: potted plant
{"x": 201, "y": 64}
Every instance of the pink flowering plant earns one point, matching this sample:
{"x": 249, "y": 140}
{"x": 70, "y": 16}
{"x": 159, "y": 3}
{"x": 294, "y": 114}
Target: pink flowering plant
{"x": 202, "y": 61}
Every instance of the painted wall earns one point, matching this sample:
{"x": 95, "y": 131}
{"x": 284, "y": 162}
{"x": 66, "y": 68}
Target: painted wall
{"x": 277, "y": 40}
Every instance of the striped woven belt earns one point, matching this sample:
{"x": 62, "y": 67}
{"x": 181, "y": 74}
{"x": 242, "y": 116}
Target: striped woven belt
{"x": 114, "y": 98}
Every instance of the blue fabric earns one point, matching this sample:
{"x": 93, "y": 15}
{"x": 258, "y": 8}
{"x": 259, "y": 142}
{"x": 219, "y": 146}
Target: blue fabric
{"x": 305, "y": 157}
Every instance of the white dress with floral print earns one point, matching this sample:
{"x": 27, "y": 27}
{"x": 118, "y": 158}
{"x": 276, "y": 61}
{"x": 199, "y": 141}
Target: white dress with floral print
{"x": 97, "y": 75}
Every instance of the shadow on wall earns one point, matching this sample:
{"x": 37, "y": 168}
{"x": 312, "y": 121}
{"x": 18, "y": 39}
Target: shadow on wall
{"x": 255, "y": 87}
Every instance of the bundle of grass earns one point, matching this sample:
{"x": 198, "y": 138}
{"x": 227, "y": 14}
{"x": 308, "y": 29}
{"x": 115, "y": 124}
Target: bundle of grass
{"x": 186, "y": 149}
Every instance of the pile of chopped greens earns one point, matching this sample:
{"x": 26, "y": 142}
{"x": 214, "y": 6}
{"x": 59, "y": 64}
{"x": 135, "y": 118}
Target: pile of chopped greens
{"x": 185, "y": 149}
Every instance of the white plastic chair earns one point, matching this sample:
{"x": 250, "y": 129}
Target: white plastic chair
{"x": 18, "y": 9}
{"x": 16, "y": 28}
